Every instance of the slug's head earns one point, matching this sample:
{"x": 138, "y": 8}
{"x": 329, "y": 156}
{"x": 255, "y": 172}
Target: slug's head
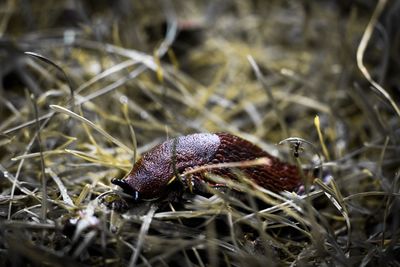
{"x": 151, "y": 176}
{"x": 148, "y": 179}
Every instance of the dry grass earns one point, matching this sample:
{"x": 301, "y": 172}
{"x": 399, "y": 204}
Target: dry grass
{"x": 104, "y": 83}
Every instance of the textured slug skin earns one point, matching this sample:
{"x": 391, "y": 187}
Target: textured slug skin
{"x": 151, "y": 174}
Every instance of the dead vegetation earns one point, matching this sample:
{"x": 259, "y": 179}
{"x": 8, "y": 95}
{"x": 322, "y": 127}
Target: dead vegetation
{"x": 105, "y": 81}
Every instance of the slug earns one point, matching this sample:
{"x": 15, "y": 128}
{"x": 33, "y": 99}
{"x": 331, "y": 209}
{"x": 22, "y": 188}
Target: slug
{"x": 153, "y": 172}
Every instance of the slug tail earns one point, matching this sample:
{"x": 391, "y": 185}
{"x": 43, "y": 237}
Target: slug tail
{"x": 276, "y": 176}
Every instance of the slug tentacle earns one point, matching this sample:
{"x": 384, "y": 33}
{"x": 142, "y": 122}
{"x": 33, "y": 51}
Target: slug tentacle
{"x": 151, "y": 175}
{"x": 127, "y": 188}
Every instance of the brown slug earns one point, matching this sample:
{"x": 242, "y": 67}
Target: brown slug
{"x": 151, "y": 174}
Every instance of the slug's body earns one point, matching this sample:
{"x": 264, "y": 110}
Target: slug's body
{"x": 151, "y": 175}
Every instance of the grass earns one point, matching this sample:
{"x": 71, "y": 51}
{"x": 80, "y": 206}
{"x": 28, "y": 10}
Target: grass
{"x": 100, "y": 84}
